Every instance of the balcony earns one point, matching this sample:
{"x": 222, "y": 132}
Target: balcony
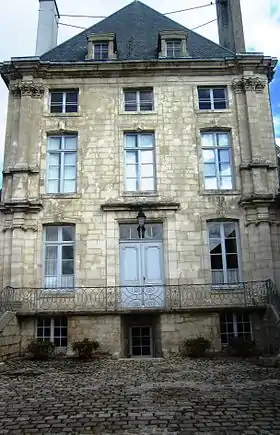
{"x": 27, "y": 301}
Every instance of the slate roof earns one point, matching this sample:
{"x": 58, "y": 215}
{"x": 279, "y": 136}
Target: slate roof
{"x": 137, "y": 28}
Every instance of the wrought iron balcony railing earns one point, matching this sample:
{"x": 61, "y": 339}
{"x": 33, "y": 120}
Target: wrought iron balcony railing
{"x": 121, "y": 299}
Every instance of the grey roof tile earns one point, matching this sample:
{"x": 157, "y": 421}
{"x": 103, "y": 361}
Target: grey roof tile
{"x": 137, "y": 28}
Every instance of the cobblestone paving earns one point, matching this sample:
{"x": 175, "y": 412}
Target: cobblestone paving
{"x": 139, "y": 397}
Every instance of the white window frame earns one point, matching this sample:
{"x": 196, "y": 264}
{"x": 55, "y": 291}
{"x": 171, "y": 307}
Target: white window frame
{"x": 212, "y": 99}
{"x": 101, "y": 43}
{"x": 138, "y": 99}
{"x": 173, "y": 42}
{"x": 226, "y": 281}
{"x": 235, "y": 326}
{"x": 64, "y": 98}
{"x": 61, "y": 152}
{"x": 59, "y": 244}
{"x": 52, "y": 326}
{"x": 216, "y": 148}
{"x": 138, "y": 150}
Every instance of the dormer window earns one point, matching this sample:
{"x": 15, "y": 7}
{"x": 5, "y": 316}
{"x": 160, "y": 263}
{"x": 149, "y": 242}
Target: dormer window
{"x": 173, "y": 44}
{"x": 101, "y": 51}
{"x": 101, "y": 47}
{"x": 173, "y": 48}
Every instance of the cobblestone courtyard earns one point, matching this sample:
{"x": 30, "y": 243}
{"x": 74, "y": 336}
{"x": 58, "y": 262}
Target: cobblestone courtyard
{"x": 139, "y": 397}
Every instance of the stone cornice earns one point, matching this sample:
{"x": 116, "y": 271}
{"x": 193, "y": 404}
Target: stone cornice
{"x": 17, "y": 68}
{"x": 23, "y": 206}
{"x": 248, "y": 84}
{"x": 135, "y": 206}
{"x": 21, "y": 227}
{"x": 30, "y": 89}
{"x": 257, "y": 200}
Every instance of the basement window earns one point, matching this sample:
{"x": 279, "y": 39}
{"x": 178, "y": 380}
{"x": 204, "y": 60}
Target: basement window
{"x": 53, "y": 329}
{"x": 234, "y": 325}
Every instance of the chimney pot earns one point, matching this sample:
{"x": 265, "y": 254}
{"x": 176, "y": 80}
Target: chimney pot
{"x": 47, "y": 32}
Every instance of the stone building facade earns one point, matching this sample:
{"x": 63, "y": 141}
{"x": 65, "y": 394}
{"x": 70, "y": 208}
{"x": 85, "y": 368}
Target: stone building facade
{"x": 102, "y": 131}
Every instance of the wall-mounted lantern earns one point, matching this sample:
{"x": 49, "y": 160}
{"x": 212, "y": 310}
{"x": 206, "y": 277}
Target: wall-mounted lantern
{"x": 141, "y": 218}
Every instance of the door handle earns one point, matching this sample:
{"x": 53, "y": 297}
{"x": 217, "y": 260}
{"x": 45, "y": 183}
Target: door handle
{"x": 144, "y": 279}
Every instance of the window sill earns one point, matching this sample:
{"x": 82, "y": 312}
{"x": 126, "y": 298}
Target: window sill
{"x": 139, "y": 194}
{"x": 202, "y": 112}
{"x": 138, "y": 112}
{"x": 220, "y": 192}
{"x": 61, "y": 196}
{"x": 63, "y": 115}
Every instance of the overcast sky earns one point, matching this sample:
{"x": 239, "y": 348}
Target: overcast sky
{"x": 18, "y": 27}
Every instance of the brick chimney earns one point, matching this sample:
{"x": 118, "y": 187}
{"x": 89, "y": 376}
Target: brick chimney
{"x": 47, "y": 26}
{"x": 230, "y": 26}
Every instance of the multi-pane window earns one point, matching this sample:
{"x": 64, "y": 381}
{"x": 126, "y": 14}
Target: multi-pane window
{"x": 59, "y": 257}
{"x": 138, "y": 100}
{"x": 139, "y": 162}
{"x": 217, "y": 160}
{"x": 64, "y": 101}
{"x": 52, "y": 329}
{"x": 61, "y": 164}
{"x": 212, "y": 98}
{"x": 174, "y": 48}
{"x": 224, "y": 246}
{"x": 101, "y": 50}
{"x": 152, "y": 232}
{"x": 233, "y": 325}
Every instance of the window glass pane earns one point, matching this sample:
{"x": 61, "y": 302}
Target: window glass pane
{"x": 214, "y": 230}
{"x": 67, "y": 267}
{"x": 131, "y": 184}
{"x": 54, "y": 159}
{"x": 216, "y": 262}
{"x": 232, "y": 261}
{"x": 70, "y": 142}
{"x": 71, "y": 108}
{"x": 53, "y": 186}
{"x": 207, "y": 140}
{"x": 146, "y": 100}
{"x": 56, "y": 97}
{"x": 226, "y": 183}
{"x": 70, "y": 173}
{"x": 219, "y": 93}
{"x": 204, "y": 94}
{"x": 131, "y": 157}
{"x": 220, "y": 105}
{"x": 229, "y": 229}
{"x": 70, "y": 159}
{"x": 225, "y": 169}
{"x": 209, "y": 170}
{"x": 54, "y": 143}
{"x": 67, "y": 252}
{"x": 130, "y": 101}
{"x": 72, "y": 97}
{"x": 205, "y": 105}
{"x": 231, "y": 246}
{"x": 224, "y": 156}
{"x": 68, "y": 233}
{"x": 215, "y": 246}
{"x": 51, "y": 233}
{"x": 131, "y": 171}
{"x": 67, "y": 281}
{"x": 211, "y": 183}
{"x": 53, "y": 173}
{"x": 147, "y": 156}
{"x": 131, "y": 141}
{"x": 208, "y": 156}
{"x": 51, "y": 260}
{"x": 69, "y": 186}
{"x": 124, "y": 232}
{"x": 147, "y": 171}
{"x": 223, "y": 139}
{"x": 147, "y": 184}
{"x": 157, "y": 231}
{"x": 147, "y": 140}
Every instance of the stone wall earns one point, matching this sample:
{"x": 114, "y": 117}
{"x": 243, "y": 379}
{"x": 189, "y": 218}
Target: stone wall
{"x": 100, "y": 125}
{"x": 266, "y": 331}
{"x": 177, "y": 327}
{"x": 106, "y": 329}
{"x": 10, "y": 336}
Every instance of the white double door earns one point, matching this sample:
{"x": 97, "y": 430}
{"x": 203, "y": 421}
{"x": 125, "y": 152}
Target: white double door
{"x": 141, "y": 272}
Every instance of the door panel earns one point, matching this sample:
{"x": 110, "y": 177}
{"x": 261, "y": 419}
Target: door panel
{"x": 141, "y": 275}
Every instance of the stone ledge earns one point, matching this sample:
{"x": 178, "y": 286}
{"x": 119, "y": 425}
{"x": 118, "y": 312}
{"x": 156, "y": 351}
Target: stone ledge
{"x": 134, "y": 206}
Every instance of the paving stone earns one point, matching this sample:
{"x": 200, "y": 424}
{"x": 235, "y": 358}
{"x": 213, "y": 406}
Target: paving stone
{"x": 170, "y": 397}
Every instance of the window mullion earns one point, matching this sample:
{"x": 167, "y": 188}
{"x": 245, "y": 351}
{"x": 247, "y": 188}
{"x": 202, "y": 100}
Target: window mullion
{"x": 64, "y": 102}
{"x": 212, "y": 98}
{"x": 224, "y": 258}
{"x": 59, "y": 264}
{"x": 138, "y": 100}
{"x": 52, "y": 330}
{"x": 217, "y": 167}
